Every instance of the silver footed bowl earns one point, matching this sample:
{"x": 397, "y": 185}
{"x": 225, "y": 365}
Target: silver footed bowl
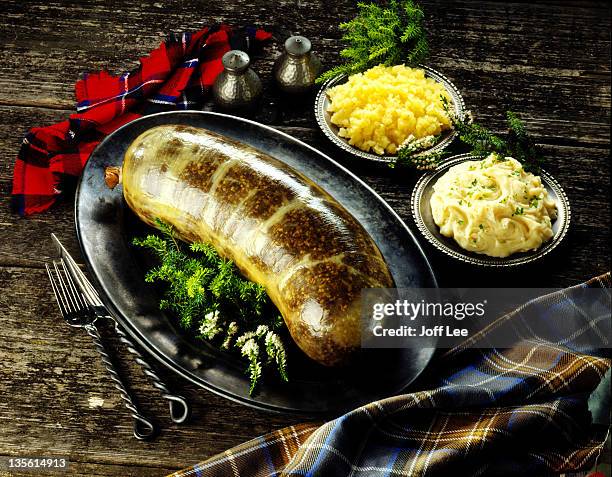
{"x": 421, "y": 212}
{"x": 331, "y": 130}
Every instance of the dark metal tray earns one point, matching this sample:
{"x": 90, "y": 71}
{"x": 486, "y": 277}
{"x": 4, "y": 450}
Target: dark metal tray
{"x": 105, "y": 227}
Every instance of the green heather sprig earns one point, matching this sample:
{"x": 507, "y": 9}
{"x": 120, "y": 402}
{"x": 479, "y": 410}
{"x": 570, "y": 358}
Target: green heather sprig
{"x": 212, "y": 300}
{"x": 517, "y": 144}
{"x": 250, "y": 348}
{"x": 408, "y": 154}
{"x": 388, "y": 35}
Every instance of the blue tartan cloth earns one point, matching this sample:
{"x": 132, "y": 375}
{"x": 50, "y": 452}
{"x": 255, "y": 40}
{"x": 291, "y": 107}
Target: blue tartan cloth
{"x": 484, "y": 411}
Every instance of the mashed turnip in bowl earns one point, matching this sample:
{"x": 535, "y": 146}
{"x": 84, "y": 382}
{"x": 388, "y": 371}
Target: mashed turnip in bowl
{"x": 380, "y": 109}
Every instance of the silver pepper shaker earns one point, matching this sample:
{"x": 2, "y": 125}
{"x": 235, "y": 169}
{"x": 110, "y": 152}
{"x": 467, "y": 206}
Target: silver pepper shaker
{"x": 237, "y": 86}
{"x": 297, "y": 68}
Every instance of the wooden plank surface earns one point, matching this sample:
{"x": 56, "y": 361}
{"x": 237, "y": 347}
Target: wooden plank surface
{"x": 549, "y": 61}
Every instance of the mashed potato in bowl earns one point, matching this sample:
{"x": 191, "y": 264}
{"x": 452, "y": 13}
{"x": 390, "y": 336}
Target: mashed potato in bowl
{"x": 385, "y": 106}
{"x": 493, "y": 207}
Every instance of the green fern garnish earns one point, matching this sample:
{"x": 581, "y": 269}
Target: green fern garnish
{"x": 211, "y": 298}
{"x": 522, "y": 147}
{"x": 382, "y": 35}
{"x": 483, "y": 142}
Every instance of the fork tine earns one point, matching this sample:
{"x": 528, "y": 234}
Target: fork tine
{"x": 77, "y": 274}
{"x": 56, "y": 292}
{"x": 88, "y": 289}
{"x": 71, "y": 306}
{"x": 72, "y": 289}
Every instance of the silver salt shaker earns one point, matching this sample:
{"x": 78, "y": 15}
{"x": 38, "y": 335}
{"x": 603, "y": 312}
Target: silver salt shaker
{"x": 237, "y": 86}
{"x": 297, "y": 68}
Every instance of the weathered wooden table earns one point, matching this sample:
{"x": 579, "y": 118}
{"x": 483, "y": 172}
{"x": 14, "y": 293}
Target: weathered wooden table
{"x": 549, "y": 61}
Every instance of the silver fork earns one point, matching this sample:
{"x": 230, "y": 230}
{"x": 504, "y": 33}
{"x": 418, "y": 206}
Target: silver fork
{"x": 179, "y": 408}
{"x": 76, "y": 311}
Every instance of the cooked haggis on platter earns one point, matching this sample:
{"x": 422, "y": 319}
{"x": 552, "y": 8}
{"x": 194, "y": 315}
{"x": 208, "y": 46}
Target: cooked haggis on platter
{"x": 387, "y": 106}
{"x": 280, "y": 229}
{"x": 493, "y": 207}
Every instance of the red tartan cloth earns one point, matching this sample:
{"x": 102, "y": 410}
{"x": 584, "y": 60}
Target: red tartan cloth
{"x": 177, "y": 75}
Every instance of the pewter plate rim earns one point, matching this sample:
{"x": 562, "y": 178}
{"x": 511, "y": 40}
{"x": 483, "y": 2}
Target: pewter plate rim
{"x": 449, "y": 247}
{"x": 331, "y": 131}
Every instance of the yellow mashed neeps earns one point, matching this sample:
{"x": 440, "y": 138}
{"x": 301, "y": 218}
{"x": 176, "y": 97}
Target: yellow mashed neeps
{"x": 385, "y": 106}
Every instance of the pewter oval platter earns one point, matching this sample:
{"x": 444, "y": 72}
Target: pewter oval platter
{"x": 331, "y": 130}
{"x": 106, "y": 226}
{"x": 421, "y": 212}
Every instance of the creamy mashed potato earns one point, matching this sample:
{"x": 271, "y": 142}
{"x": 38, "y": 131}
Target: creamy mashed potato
{"x": 493, "y": 207}
{"x": 385, "y": 106}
